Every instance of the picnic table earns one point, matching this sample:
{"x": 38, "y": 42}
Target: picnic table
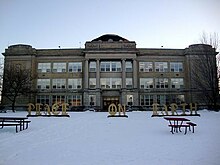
{"x": 20, "y": 122}
{"x": 176, "y": 123}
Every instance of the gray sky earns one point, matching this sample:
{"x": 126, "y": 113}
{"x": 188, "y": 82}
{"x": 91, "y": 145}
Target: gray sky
{"x": 50, "y": 23}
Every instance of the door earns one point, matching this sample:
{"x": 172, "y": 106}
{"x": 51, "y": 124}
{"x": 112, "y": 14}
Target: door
{"x": 109, "y": 100}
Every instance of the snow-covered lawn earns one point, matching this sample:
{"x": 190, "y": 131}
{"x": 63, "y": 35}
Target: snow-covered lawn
{"x": 90, "y": 138}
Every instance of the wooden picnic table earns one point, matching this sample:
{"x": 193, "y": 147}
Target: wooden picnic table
{"x": 176, "y": 123}
{"x": 15, "y": 121}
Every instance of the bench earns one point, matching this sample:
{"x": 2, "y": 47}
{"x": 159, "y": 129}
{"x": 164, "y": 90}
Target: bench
{"x": 25, "y": 122}
{"x": 3, "y": 111}
{"x": 192, "y": 125}
{"x": 176, "y": 127}
{"x": 22, "y": 124}
{"x": 10, "y": 124}
{"x": 15, "y": 121}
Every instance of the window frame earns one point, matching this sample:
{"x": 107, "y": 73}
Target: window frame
{"x": 92, "y": 66}
{"x": 92, "y": 83}
{"x": 43, "y": 84}
{"x": 111, "y": 83}
{"x": 161, "y": 66}
{"x": 74, "y": 100}
{"x": 178, "y": 81}
{"x": 144, "y": 83}
{"x": 146, "y": 100}
{"x": 176, "y": 66}
{"x": 44, "y": 67}
{"x": 59, "y": 67}
{"x": 161, "y": 83}
{"x": 58, "y": 83}
{"x": 128, "y": 66}
{"x": 129, "y": 83}
{"x": 146, "y": 66}
{"x": 74, "y": 67}
{"x": 74, "y": 83}
{"x": 110, "y": 66}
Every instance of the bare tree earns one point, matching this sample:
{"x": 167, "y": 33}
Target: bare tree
{"x": 210, "y": 39}
{"x": 218, "y": 69}
{"x": 1, "y": 77}
{"x": 204, "y": 71}
{"x": 16, "y": 82}
{"x": 213, "y": 40}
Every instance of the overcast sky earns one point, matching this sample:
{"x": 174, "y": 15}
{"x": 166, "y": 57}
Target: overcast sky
{"x": 67, "y": 23}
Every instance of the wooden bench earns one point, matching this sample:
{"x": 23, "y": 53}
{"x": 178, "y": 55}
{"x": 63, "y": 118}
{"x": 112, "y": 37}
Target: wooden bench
{"x": 192, "y": 125}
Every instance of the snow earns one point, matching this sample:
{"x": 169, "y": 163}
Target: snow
{"x": 90, "y": 138}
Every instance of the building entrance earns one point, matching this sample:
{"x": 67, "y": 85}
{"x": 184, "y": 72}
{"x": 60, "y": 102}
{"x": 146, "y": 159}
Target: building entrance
{"x": 109, "y": 100}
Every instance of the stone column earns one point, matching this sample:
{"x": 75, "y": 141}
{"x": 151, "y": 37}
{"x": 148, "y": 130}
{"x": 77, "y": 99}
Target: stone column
{"x": 98, "y": 94}
{"x": 135, "y": 75}
{"x": 86, "y": 84}
{"x": 86, "y": 74}
{"x": 123, "y": 74}
{"x": 97, "y": 74}
{"x": 123, "y": 94}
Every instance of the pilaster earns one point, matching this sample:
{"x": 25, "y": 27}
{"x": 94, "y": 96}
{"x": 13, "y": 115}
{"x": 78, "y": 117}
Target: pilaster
{"x": 135, "y": 75}
{"x": 98, "y": 73}
{"x": 123, "y": 74}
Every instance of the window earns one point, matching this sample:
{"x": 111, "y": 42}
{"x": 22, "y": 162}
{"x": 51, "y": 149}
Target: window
{"x": 74, "y": 100}
{"x": 92, "y": 100}
{"x": 110, "y": 83}
{"x": 92, "y": 66}
{"x": 129, "y": 83}
{"x": 116, "y": 82}
{"x": 75, "y": 67}
{"x": 43, "y": 99}
{"x": 128, "y": 66}
{"x": 145, "y": 66}
{"x": 177, "y": 99}
{"x": 130, "y": 100}
{"x": 177, "y": 83}
{"x": 43, "y": 84}
{"x": 92, "y": 83}
{"x": 44, "y": 67}
{"x": 176, "y": 66}
{"x": 162, "y": 99}
{"x": 110, "y": 66}
{"x": 59, "y": 99}
{"x": 59, "y": 83}
{"x": 115, "y": 67}
{"x": 146, "y": 100}
{"x": 59, "y": 67}
{"x": 161, "y": 67}
{"x": 146, "y": 83}
{"x": 75, "y": 83}
{"x": 105, "y": 66}
{"x": 161, "y": 83}
{"x": 105, "y": 82}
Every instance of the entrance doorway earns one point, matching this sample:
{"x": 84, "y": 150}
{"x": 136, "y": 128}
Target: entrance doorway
{"x": 109, "y": 100}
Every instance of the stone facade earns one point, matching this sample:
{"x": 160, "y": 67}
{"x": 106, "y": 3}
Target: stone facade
{"x": 110, "y": 69}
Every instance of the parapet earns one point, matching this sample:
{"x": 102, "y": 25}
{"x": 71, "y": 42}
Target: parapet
{"x": 20, "y": 49}
{"x": 200, "y": 49}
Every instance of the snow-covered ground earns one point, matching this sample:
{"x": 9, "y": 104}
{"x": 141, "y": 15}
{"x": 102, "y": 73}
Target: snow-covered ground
{"x": 90, "y": 138}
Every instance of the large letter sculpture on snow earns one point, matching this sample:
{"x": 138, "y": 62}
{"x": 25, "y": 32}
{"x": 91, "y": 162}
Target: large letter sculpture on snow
{"x": 164, "y": 110}
{"x": 45, "y": 108}
{"x": 113, "y": 109}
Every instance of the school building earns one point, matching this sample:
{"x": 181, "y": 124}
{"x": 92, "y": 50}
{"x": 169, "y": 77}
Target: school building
{"x": 110, "y": 69}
